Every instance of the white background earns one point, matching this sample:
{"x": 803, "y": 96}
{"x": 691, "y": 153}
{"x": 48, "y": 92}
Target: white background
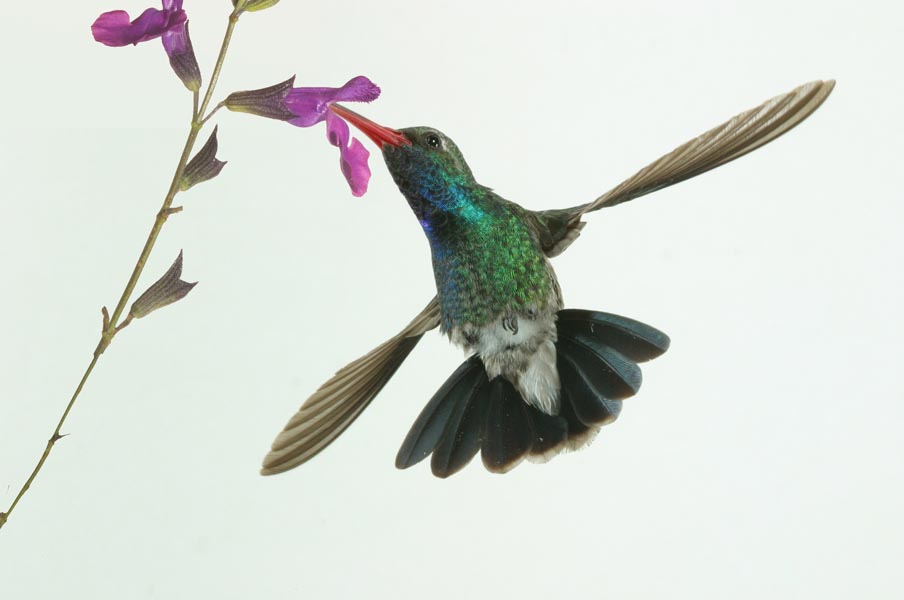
{"x": 762, "y": 459}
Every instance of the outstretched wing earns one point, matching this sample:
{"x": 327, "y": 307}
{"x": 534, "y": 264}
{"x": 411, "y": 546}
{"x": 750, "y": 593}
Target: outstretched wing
{"x": 339, "y": 401}
{"x": 739, "y": 135}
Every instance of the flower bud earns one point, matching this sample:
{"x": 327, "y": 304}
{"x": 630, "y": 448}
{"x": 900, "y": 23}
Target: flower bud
{"x": 164, "y": 291}
{"x": 204, "y": 165}
{"x": 255, "y": 5}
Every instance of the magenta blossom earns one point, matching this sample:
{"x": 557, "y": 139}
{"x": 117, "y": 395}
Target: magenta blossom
{"x": 307, "y": 106}
{"x": 311, "y": 105}
{"x": 114, "y": 29}
{"x": 170, "y": 24}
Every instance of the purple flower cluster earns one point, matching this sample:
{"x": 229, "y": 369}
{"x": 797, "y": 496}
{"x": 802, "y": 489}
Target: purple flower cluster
{"x": 300, "y": 106}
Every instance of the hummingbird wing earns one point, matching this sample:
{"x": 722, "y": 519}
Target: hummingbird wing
{"x": 736, "y": 137}
{"x": 339, "y": 401}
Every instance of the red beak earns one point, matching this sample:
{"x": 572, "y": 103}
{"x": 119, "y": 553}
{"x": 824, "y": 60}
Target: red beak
{"x": 379, "y": 134}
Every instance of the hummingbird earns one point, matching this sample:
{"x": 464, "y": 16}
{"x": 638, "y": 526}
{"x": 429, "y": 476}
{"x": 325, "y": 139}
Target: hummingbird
{"x": 540, "y": 378}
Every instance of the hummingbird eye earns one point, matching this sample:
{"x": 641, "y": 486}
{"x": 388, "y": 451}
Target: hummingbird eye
{"x": 432, "y": 140}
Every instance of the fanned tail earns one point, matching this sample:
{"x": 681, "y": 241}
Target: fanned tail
{"x": 597, "y": 356}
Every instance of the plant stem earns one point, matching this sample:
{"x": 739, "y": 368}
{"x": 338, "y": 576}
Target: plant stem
{"x": 213, "y": 112}
{"x": 110, "y": 325}
{"x": 227, "y": 37}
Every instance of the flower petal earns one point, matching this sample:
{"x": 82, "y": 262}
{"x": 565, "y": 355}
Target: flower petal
{"x": 114, "y": 29}
{"x": 175, "y": 41}
{"x": 337, "y": 131}
{"x": 358, "y": 89}
{"x": 311, "y": 104}
{"x": 352, "y": 158}
{"x": 353, "y": 162}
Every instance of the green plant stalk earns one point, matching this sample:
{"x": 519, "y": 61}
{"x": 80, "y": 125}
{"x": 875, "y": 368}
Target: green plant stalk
{"x": 111, "y": 325}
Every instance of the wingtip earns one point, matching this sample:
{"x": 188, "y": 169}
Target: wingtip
{"x": 824, "y": 88}
{"x": 286, "y": 459}
{"x": 285, "y": 438}
{"x": 822, "y": 92}
{"x": 280, "y": 461}
{"x": 823, "y": 83}
{"x": 827, "y": 86}
{"x": 268, "y": 467}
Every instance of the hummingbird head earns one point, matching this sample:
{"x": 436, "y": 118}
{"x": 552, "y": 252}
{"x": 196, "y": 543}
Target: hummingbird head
{"x": 430, "y": 158}
{"x": 426, "y": 165}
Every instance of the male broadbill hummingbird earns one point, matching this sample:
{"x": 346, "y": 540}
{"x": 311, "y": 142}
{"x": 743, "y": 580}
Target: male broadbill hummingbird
{"x": 541, "y": 379}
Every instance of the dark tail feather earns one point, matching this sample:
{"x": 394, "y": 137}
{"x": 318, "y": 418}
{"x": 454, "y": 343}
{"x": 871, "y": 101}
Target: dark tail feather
{"x": 507, "y": 432}
{"x": 633, "y": 339}
{"x": 597, "y": 356}
{"x": 589, "y": 404}
{"x": 550, "y": 432}
{"x": 427, "y": 431}
{"x": 461, "y": 437}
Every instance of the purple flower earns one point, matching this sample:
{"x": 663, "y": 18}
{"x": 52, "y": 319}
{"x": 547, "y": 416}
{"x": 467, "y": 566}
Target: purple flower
{"x": 307, "y": 106}
{"x": 311, "y": 105}
{"x": 114, "y": 29}
{"x": 175, "y": 40}
{"x": 170, "y": 24}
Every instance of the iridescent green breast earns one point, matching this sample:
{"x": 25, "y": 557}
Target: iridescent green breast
{"x": 487, "y": 259}
{"x": 487, "y": 262}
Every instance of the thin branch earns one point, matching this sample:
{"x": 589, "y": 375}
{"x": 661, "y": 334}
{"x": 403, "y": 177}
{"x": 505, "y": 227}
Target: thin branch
{"x": 111, "y": 322}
